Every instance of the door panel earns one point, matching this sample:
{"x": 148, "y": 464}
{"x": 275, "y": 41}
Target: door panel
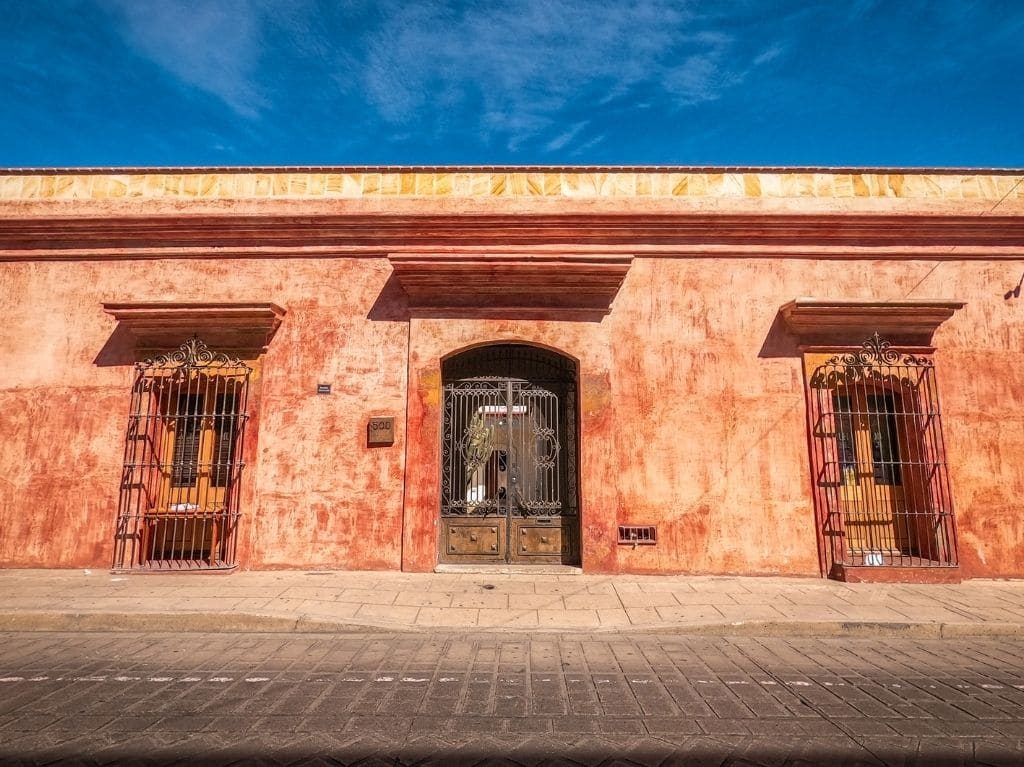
{"x": 467, "y": 539}
{"x": 539, "y": 541}
{"x": 553, "y": 539}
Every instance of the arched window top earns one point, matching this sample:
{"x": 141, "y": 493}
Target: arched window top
{"x": 516, "y": 361}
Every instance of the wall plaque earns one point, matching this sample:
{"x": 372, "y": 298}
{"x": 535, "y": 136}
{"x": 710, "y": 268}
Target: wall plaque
{"x": 380, "y": 431}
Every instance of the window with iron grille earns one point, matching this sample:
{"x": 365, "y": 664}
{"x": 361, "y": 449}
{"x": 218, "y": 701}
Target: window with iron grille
{"x": 178, "y": 505}
{"x": 882, "y": 486}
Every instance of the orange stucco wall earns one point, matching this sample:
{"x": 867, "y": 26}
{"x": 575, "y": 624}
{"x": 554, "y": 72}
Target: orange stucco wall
{"x": 316, "y": 496}
{"x": 692, "y": 412}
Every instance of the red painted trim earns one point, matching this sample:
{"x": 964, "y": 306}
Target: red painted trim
{"x": 819, "y": 503}
{"x": 313, "y": 232}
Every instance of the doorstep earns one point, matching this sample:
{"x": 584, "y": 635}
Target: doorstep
{"x": 888, "y": 574}
{"x": 485, "y": 569}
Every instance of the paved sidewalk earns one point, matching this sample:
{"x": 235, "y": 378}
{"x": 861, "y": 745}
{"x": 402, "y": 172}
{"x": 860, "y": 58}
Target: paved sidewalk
{"x": 39, "y": 600}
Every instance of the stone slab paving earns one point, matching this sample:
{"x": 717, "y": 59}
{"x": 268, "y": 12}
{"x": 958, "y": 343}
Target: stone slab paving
{"x": 511, "y": 699}
{"x": 329, "y": 601}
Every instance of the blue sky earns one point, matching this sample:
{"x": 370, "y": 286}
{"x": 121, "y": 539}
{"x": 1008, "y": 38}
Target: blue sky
{"x": 344, "y": 82}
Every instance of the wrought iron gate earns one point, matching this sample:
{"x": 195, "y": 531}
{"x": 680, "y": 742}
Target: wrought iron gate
{"x": 178, "y": 506}
{"x": 881, "y": 460}
{"x": 508, "y": 477}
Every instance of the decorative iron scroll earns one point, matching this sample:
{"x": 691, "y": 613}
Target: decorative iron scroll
{"x": 877, "y": 351}
{"x": 192, "y": 354}
{"x": 547, "y": 459}
{"x": 477, "y": 444}
{"x": 508, "y": 443}
{"x": 876, "y": 360}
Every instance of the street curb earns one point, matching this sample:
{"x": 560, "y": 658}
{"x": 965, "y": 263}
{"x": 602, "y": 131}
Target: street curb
{"x": 855, "y": 629}
{"x": 180, "y": 622}
{"x": 217, "y": 622}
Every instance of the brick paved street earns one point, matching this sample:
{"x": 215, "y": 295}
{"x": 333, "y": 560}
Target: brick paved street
{"x": 509, "y": 699}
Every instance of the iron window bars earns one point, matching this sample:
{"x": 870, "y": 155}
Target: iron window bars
{"x": 178, "y": 505}
{"x": 880, "y": 460}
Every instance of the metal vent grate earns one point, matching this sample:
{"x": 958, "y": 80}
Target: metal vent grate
{"x": 638, "y": 535}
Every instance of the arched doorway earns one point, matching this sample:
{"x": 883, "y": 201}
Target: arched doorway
{"x": 509, "y": 467}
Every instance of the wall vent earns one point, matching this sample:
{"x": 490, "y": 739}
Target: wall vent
{"x": 638, "y": 535}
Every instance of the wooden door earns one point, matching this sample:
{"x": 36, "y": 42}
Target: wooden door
{"x": 196, "y": 464}
{"x": 872, "y": 496}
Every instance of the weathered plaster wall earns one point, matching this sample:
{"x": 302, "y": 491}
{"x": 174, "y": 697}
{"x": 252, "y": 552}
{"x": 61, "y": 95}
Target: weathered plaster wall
{"x": 981, "y": 381}
{"x": 711, "y": 412}
{"x": 60, "y": 416}
{"x": 692, "y": 410}
{"x": 318, "y": 496}
{"x": 712, "y": 428}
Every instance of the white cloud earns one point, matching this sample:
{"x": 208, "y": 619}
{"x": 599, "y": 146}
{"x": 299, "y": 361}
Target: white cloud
{"x": 588, "y": 146}
{"x": 768, "y": 54}
{"x": 213, "y": 45}
{"x": 564, "y": 138}
{"x": 522, "y": 66}
{"x": 527, "y": 73}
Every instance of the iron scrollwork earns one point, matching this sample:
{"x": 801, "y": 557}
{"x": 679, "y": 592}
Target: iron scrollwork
{"x": 194, "y": 353}
{"x": 876, "y": 360}
{"x": 502, "y": 438}
{"x": 477, "y": 443}
{"x": 877, "y": 351}
{"x": 546, "y": 460}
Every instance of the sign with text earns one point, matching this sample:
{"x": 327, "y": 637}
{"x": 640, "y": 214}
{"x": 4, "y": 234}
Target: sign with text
{"x": 380, "y": 431}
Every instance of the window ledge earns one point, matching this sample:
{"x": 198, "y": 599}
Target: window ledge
{"x": 824, "y": 320}
{"x": 228, "y": 327}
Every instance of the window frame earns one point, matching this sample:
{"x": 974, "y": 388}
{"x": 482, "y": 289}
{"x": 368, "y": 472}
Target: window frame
{"x": 911, "y": 484}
